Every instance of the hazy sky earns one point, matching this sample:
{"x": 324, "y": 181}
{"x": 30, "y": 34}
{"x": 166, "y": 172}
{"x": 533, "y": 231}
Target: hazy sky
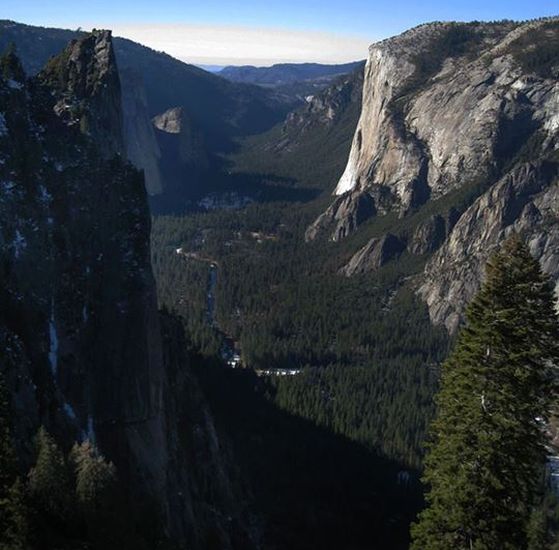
{"x": 263, "y": 31}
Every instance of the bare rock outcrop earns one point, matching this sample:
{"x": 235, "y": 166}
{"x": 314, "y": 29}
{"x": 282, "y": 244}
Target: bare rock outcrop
{"x": 142, "y": 148}
{"x": 461, "y": 118}
{"x": 525, "y": 201}
{"x": 325, "y": 108}
{"x": 77, "y": 274}
{"x": 375, "y": 254}
{"x": 430, "y": 235}
{"x": 444, "y": 105}
{"x": 86, "y": 80}
{"x": 188, "y": 141}
{"x": 344, "y": 215}
{"x": 85, "y": 352}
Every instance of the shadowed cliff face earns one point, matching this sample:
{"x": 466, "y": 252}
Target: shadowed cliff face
{"x": 85, "y": 79}
{"x": 79, "y": 326}
{"x": 78, "y": 294}
{"x": 446, "y": 107}
{"x": 184, "y": 159}
{"x": 142, "y": 148}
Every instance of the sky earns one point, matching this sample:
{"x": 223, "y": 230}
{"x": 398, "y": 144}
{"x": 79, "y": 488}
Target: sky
{"x": 263, "y": 32}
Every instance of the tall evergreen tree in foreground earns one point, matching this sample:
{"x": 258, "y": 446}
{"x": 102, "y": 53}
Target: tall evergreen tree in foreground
{"x": 487, "y": 444}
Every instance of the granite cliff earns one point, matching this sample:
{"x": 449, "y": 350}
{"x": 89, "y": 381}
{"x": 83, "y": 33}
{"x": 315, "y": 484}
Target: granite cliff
{"x": 86, "y": 352}
{"x": 459, "y": 119}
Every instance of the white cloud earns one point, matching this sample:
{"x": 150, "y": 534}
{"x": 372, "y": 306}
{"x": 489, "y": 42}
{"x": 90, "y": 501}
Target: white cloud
{"x": 225, "y": 45}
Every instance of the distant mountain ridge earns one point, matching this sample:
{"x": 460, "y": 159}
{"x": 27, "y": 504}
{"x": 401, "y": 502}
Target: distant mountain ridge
{"x": 286, "y": 73}
{"x": 317, "y": 134}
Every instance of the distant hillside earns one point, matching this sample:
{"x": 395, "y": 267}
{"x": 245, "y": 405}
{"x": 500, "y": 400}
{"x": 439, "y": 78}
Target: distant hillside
{"x": 286, "y": 73}
{"x": 211, "y": 68}
{"x": 215, "y": 111}
{"x": 313, "y": 142}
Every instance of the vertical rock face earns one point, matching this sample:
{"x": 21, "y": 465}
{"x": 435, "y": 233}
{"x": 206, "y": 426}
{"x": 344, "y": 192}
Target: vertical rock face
{"x": 81, "y": 337}
{"x": 428, "y": 236}
{"x": 207, "y": 502}
{"x": 85, "y": 79}
{"x": 184, "y": 159}
{"x": 456, "y": 110}
{"x": 410, "y": 134}
{"x": 345, "y": 215}
{"x": 374, "y": 254}
{"x": 189, "y": 143}
{"x": 445, "y": 105}
{"x": 78, "y": 317}
{"x": 525, "y": 201}
{"x": 142, "y": 148}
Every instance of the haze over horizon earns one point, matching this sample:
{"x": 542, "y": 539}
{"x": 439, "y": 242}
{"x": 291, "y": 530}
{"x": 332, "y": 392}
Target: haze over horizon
{"x": 221, "y": 33}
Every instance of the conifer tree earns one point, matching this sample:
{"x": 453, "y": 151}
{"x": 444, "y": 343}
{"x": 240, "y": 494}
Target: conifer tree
{"x": 10, "y": 65}
{"x": 49, "y": 480}
{"x": 13, "y": 513}
{"x": 95, "y": 477}
{"x": 487, "y": 444}
{"x": 96, "y": 496}
{"x": 14, "y": 529}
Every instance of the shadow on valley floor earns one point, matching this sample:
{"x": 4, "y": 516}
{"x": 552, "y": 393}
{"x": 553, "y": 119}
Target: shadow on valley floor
{"x": 229, "y": 190}
{"x": 313, "y": 489}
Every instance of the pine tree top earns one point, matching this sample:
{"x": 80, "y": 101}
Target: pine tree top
{"x": 10, "y": 65}
{"x": 488, "y": 447}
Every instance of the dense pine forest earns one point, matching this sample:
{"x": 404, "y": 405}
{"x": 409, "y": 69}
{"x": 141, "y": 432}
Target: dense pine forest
{"x": 288, "y": 308}
{"x": 365, "y": 357}
{"x": 365, "y": 353}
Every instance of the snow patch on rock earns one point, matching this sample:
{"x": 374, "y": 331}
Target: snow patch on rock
{"x": 14, "y": 84}
{"x": 552, "y": 123}
{"x": 19, "y": 244}
{"x": 552, "y": 116}
{"x": 7, "y": 187}
{"x": 347, "y": 181}
{"x": 3, "y": 126}
{"x": 69, "y": 410}
{"x": 349, "y": 178}
{"x": 553, "y": 469}
{"x": 44, "y": 194}
{"x": 89, "y": 433}
{"x": 53, "y": 337}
